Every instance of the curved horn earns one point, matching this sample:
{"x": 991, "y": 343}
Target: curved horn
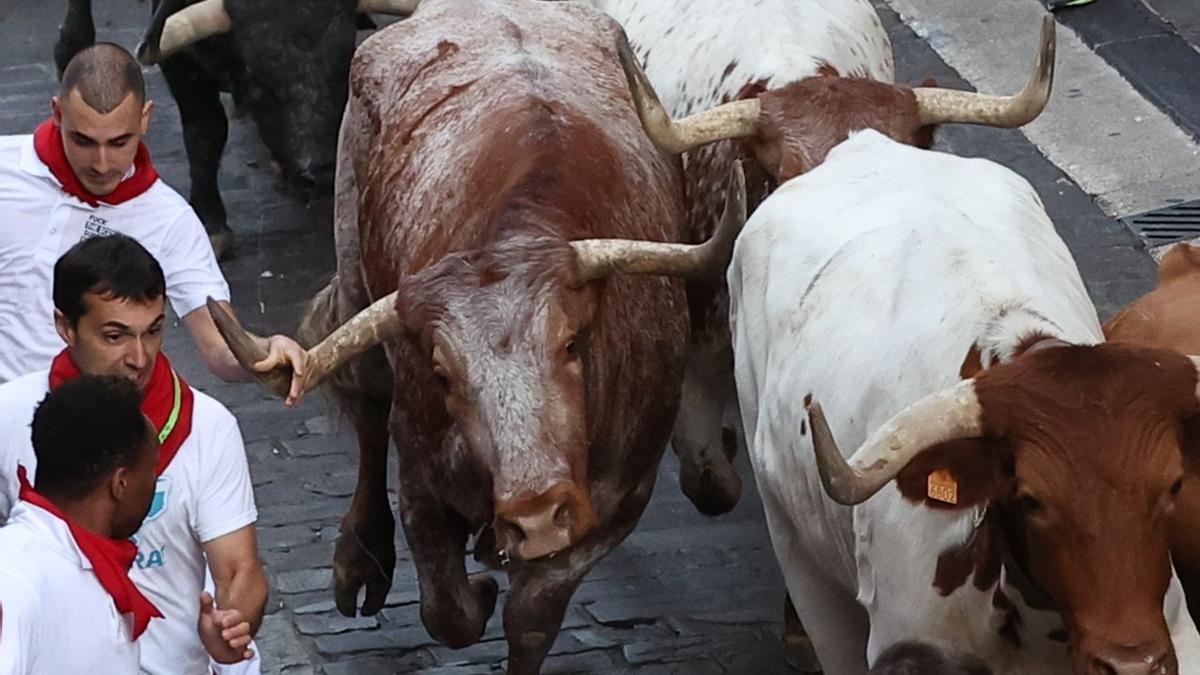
{"x": 943, "y": 416}
{"x": 396, "y": 7}
{"x": 600, "y": 258}
{"x": 184, "y": 27}
{"x": 371, "y": 326}
{"x": 940, "y": 106}
{"x": 731, "y": 120}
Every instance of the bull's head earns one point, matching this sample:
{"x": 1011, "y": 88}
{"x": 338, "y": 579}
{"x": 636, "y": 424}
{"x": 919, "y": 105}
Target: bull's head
{"x": 290, "y": 69}
{"x": 1082, "y": 451}
{"x": 505, "y": 331}
{"x": 789, "y": 130}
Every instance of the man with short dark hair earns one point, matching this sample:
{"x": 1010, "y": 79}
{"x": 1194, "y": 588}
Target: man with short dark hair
{"x": 67, "y": 604}
{"x": 84, "y": 173}
{"x": 109, "y": 299}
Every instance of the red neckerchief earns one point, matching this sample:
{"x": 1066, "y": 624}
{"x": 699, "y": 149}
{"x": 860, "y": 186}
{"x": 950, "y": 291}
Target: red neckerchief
{"x": 158, "y": 402}
{"x": 110, "y": 558}
{"x": 47, "y": 141}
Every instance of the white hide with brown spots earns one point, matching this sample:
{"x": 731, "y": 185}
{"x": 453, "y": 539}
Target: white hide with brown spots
{"x": 864, "y": 283}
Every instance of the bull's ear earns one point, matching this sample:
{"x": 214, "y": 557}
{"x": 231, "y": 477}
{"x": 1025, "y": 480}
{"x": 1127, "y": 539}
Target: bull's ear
{"x": 956, "y": 475}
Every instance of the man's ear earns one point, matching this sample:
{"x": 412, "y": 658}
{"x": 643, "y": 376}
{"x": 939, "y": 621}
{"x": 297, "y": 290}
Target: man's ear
{"x": 56, "y": 110}
{"x": 956, "y": 475}
{"x": 64, "y": 328}
{"x": 147, "y": 108}
{"x": 118, "y": 483}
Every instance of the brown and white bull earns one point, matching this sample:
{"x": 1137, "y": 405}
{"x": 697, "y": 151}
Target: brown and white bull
{"x": 777, "y": 83}
{"x": 787, "y": 130}
{"x": 504, "y": 310}
{"x": 946, "y": 450}
{"x": 1168, "y": 317}
{"x": 699, "y": 54}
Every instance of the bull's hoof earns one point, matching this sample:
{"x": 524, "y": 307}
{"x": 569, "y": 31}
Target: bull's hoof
{"x": 462, "y": 624}
{"x": 713, "y": 488}
{"x": 359, "y": 562}
{"x": 800, "y": 655}
{"x": 798, "y": 649}
{"x": 222, "y": 242}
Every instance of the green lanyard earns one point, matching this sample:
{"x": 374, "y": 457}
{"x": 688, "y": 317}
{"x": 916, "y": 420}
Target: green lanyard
{"x": 174, "y": 416}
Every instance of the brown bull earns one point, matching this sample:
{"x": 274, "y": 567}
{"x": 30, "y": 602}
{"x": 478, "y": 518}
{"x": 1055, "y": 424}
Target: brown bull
{"x": 1169, "y": 318}
{"x": 490, "y": 158}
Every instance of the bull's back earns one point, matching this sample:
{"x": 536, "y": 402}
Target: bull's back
{"x": 699, "y": 53}
{"x": 1169, "y": 316}
{"x": 471, "y": 106}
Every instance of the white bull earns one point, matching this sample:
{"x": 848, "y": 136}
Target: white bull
{"x": 881, "y": 277}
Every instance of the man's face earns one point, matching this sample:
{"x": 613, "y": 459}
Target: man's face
{"x": 116, "y": 336}
{"x": 133, "y": 503}
{"x": 101, "y": 147}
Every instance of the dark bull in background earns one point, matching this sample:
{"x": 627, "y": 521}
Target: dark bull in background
{"x": 287, "y": 62}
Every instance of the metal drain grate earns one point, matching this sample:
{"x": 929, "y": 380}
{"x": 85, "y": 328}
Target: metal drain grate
{"x": 1170, "y": 224}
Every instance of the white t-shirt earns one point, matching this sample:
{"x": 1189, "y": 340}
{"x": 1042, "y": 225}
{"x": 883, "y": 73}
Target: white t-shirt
{"x": 57, "y": 618}
{"x": 39, "y": 222}
{"x": 204, "y": 493}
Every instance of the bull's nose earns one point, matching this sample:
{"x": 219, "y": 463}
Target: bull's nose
{"x": 310, "y": 179}
{"x": 538, "y": 526}
{"x": 1148, "y": 659}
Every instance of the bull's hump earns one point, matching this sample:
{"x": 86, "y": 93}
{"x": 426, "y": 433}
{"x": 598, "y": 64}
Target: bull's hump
{"x": 501, "y": 42}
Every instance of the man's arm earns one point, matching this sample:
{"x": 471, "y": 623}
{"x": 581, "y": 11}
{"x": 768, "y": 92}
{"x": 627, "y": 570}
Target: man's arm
{"x": 238, "y": 574}
{"x": 280, "y": 349}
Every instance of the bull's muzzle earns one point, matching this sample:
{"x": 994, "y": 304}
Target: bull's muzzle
{"x": 531, "y": 527}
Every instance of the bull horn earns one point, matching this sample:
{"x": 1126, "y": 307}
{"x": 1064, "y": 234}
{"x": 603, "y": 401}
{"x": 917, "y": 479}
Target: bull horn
{"x": 601, "y": 258}
{"x": 396, "y": 7}
{"x": 947, "y": 415}
{"x": 368, "y": 328}
{"x": 731, "y": 120}
{"x": 941, "y": 106}
{"x": 184, "y": 27}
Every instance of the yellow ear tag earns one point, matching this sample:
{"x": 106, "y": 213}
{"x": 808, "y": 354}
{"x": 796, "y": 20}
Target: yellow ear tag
{"x": 942, "y": 487}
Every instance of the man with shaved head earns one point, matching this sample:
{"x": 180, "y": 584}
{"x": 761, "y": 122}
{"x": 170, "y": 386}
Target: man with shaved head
{"x": 85, "y": 173}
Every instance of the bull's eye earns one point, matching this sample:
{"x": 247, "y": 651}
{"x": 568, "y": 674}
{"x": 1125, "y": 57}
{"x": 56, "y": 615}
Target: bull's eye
{"x": 572, "y": 348}
{"x": 1030, "y": 504}
{"x": 1176, "y": 487}
{"x": 443, "y": 378}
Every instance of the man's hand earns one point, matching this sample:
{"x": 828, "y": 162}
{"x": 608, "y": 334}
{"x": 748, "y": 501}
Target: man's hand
{"x": 281, "y": 351}
{"x": 223, "y": 632}
{"x": 284, "y": 351}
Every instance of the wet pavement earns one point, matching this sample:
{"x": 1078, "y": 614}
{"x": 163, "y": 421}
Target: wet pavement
{"x": 684, "y": 593}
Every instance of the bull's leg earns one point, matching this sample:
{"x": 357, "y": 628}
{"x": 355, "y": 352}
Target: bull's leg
{"x": 74, "y": 33}
{"x": 539, "y": 592}
{"x": 205, "y": 129}
{"x": 454, "y": 608}
{"x": 533, "y": 614}
{"x": 799, "y": 648}
{"x": 837, "y": 624}
{"x": 704, "y": 443}
{"x": 365, "y": 554}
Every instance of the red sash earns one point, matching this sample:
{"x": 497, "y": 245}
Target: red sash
{"x": 168, "y": 402}
{"x": 47, "y": 141}
{"x": 110, "y": 558}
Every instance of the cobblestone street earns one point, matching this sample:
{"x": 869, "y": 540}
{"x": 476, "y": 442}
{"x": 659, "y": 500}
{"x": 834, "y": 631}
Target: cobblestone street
{"x": 683, "y": 594}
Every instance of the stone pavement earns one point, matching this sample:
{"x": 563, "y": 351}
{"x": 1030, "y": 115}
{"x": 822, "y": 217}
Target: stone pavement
{"x": 683, "y": 594}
